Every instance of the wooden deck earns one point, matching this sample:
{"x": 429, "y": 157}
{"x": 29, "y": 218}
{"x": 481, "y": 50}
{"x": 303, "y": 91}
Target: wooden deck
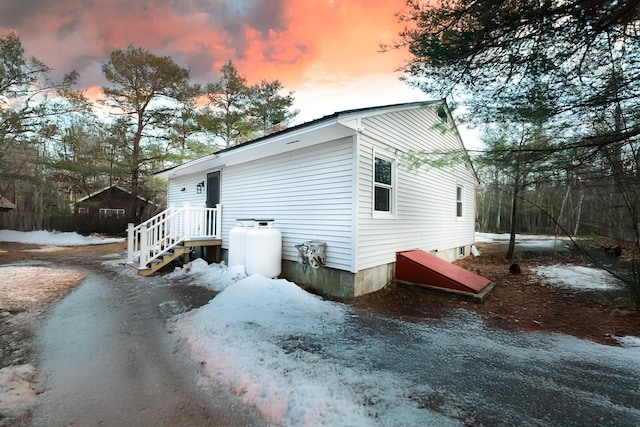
{"x": 174, "y": 233}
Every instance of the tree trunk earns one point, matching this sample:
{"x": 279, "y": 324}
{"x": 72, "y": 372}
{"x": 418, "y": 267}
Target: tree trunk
{"x": 564, "y": 203}
{"x": 135, "y": 168}
{"x": 498, "y": 224}
{"x": 512, "y": 228}
{"x": 579, "y": 213}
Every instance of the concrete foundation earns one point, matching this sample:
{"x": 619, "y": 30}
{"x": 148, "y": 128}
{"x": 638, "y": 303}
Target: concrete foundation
{"x": 339, "y": 283}
{"x": 344, "y": 284}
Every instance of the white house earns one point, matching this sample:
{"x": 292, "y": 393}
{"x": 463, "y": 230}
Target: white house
{"x": 344, "y": 180}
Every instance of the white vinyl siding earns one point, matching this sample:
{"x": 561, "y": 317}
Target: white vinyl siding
{"x": 325, "y": 191}
{"x": 177, "y": 197}
{"x": 308, "y": 192}
{"x": 425, "y": 215}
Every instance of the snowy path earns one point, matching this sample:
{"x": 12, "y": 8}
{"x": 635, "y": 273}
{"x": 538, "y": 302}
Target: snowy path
{"x": 107, "y": 359}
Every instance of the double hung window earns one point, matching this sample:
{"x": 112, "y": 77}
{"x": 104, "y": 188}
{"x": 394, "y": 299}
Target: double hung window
{"x": 383, "y": 191}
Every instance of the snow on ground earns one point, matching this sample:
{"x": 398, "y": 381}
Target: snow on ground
{"x": 53, "y": 238}
{"x": 215, "y": 276}
{"x": 17, "y": 391}
{"x": 566, "y": 276}
{"x": 301, "y": 360}
{"x": 257, "y": 337}
{"x": 629, "y": 341}
{"x": 23, "y": 285}
{"x": 529, "y": 242}
{"x": 577, "y": 277}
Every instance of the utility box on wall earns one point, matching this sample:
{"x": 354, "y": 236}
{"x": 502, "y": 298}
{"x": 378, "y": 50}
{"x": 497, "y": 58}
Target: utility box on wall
{"x": 312, "y": 253}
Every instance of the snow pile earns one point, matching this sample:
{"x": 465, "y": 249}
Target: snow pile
{"x": 213, "y": 276}
{"x": 17, "y": 392}
{"x": 53, "y": 238}
{"x": 577, "y": 277}
{"x": 259, "y": 337}
{"x": 228, "y": 337}
{"x": 301, "y": 360}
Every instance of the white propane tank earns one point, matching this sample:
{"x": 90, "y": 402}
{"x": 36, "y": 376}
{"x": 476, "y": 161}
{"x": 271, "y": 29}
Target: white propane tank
{"x": 264, "y": 249}
{"x": 238, "y": 242}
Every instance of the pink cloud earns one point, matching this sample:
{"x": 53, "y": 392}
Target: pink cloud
{"x": 299, "y": 42}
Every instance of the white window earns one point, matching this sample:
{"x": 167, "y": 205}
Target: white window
{"x": 383, "y": 183}
{"x": 459, "y": 198}
{"x": 83, "y": 210}
{"x": 118, "y": 213}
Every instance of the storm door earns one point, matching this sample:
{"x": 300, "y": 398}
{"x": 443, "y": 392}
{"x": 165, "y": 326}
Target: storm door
{"x": 213, "y": 189}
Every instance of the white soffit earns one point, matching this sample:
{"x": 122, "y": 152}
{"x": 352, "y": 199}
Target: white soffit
{"x": 278, "y": 144}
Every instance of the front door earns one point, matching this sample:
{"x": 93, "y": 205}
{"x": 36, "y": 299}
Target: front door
{"x": 213, "y": 189}
{"x": 212, "y": 253}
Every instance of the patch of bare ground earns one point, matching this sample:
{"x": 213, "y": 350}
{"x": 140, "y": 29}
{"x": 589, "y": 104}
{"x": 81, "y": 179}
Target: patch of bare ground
{"x": 520, "y": 301}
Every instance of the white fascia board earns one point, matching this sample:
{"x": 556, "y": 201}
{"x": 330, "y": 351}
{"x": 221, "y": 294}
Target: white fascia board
{"x": 289, "y": 141}
{"x": 194, "y": 166}
{"x": 279, "y": 143}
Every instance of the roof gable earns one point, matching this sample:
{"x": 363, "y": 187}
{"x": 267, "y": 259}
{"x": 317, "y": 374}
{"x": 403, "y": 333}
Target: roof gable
{"x": 110, "y": 188}
{"x": 330, "y": 127}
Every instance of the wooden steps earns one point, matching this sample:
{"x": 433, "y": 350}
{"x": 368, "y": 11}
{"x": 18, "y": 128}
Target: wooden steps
{"x": 176, "y": 252}
{"x": 157, "y": 263}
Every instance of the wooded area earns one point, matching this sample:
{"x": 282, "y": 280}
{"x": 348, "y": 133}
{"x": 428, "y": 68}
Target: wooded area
{"x": 554, "y": 87}
{"x": 56, "y": 146}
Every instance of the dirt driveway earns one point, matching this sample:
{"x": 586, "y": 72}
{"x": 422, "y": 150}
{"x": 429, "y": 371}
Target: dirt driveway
{"x": 102, "y": 355}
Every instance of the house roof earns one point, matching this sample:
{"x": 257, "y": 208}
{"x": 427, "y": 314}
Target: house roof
{"x": 6, "y": 204}
{"x": 333, "y": 126}
{"x": 95, "y": 193}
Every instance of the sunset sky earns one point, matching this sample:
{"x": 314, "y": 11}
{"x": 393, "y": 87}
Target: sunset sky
{"x": 326, "y": 51}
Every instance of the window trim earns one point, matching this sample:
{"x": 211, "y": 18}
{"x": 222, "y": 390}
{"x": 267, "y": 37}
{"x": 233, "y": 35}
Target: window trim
{"x": 459, "y": 202}
{"x": 393, "y": 188}
{"x": 111, "y": 212}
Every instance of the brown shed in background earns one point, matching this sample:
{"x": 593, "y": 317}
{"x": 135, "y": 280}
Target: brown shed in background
{"x": 114, "y": 202}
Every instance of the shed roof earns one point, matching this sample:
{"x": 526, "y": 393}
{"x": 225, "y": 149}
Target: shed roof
{"x": 95, "y": 193}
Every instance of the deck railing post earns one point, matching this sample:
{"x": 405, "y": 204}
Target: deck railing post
{"x": 186, "y": 233}
{"x": 218, "y": 224}
{"x": 144, "y": 246}
{"x": 130, "y": 242}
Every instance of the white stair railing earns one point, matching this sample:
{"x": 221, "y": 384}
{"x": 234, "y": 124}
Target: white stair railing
{"x": 158, "y": 235}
